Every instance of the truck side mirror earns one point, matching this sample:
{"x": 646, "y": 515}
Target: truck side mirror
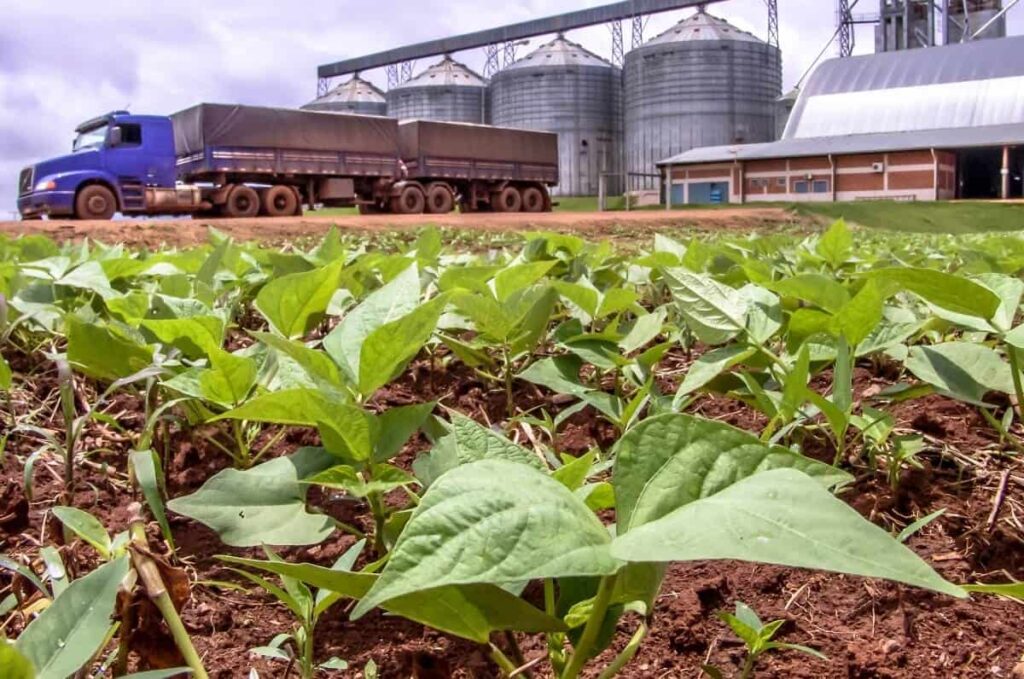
{"x": 116, "y": 137}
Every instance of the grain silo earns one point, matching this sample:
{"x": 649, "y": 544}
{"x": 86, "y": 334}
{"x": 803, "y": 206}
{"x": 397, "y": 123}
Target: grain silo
{"x": 561, "y": 87}
{"x": 352, "y": 96}
{"x": 703, "y": 82}
{"x": 448, "y": 91}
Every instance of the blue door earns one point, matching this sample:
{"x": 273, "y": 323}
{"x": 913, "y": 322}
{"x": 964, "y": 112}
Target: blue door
{"x": 708, "y": 193}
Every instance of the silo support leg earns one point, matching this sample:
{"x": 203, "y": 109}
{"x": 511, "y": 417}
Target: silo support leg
{"x": 1005, "y": 172}
{"x": 668, "y": 188}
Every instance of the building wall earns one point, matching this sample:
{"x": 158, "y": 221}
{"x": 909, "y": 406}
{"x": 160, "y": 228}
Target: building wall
{"x": 902, "y": 175}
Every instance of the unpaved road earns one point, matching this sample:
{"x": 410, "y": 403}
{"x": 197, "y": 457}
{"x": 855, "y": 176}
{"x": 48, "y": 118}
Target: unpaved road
{"x": 156, "y": 232}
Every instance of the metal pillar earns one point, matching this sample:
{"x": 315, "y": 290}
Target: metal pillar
{"x": 393, "y": 78}
{"x": 639, "y": 23}
{"x": 847, "y": 34}
{"x": 668, "y": 187}
{"x": 773, "y": 22}
{"x": 407, "y": 67}
{"x": 322, "y": 86}
{"x": 491, "y": 63}
{"x": 509, "y": 53}
{"x": 618, "y": 46}
{"x": 1004, "y": 191}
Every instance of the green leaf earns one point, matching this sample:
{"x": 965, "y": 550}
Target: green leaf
{"x": 85, "y": 526}
{"x": 263, "y": 505}
{"x": 396, "y": 427}
{"x": 229, "y": 379}
{"x": 953, "y": 293}
{"x": 532, "y": 311}
{"x": 99, "y": 352}
{"x": 574, "y": 473}
{"x": 644, "y": 331}
{"x": 174, "y": 673}
{"x": 1012, "y": 590}
{"x": 779, "y": 517}
{"x": 294, "y": 304}
{"x": 916, "y": 526}
{"x": 795, "y": 386}
{"x": 349, "y": 433}
{"x": 492, "y": 522}
{"x": 842, "y": 377}
{"x": 296, "y": 407}
{"x": 836, "y": 244}
{"x": 669, "y": 461}
{"x": 383, "y": 478}
{"x": 560, "y": 374}
{"x": 389, "y": 303}
{"x": 515, "y": 278}
{"x": 822, "y": 291}
{"x": 6, "y": 378}
{"x": 195, "y": 337}
{"x": 13, "y": 665}
{"x": 714, "y": 312}
{"x": 711, "y": 365}
{"x": 859, "y": 318}
{"x": 389, "y": 348}
{"x": 475, "y": 442}
{"x": 317, "y": 364}
{"x": 964, "y": 370}
{"x": 71, "y": 630}
{"x": 144, "y": 465}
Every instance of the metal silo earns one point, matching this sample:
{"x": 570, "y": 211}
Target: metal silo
{"x": 561, "y": 87}
{"x": 447, "y": 91}
{"x": 352, "y": 96}
{"x": 703, "y": 82}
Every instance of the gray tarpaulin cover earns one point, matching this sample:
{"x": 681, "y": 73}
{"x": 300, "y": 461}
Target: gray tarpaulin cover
{"x": 278, "y": 128}
{"x": 477, "y": 142}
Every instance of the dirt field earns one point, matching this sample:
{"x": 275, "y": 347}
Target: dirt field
{"x": 155, "y": 232}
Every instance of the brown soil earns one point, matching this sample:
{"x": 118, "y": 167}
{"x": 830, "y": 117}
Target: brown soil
{"x": 184, "y": 232}
{"x": 866, "y": 628}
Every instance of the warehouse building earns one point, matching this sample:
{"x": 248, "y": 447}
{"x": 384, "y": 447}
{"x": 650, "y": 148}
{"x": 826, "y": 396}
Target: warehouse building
{"x": 928, "y": 124}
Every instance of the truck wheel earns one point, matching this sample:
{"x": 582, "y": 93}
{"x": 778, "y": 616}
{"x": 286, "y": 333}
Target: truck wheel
{"x": 439, "y": 200}
{"x": 242, "y": 201}
{"x": 279, "y": 201}
{"x": 507, "y": 200}
{"x": 533, "y": 200}
{"x": 410, "y": 201}
{"x": 95, "y": 202}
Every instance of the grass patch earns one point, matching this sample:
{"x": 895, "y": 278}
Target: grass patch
{"x": 913, "y": 217}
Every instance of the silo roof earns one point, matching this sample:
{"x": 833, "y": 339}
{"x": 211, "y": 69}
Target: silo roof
{"x": 973, "y": 84}
{"x": 702, "y": 26}
{"x": 446, "y": 73}
{"x": 352, "y": 91}
{"x": 557, "y": 53}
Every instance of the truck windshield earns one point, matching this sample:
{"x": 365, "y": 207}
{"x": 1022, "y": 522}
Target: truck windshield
{"x": 90, "y": 139}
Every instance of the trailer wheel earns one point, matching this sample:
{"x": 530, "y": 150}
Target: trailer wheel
{"x": 242, "y": 201}
{"x": 533, "y": 200}
{"x": 95, "y": 202}
{"x": 507, "y": 200}
{"x": 439, "y": 199}
{"x": 279, "y": 201}
{"x": 410, "y": 201}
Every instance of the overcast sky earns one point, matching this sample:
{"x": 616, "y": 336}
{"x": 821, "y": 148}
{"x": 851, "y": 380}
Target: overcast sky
{"x": 63, "y": 61}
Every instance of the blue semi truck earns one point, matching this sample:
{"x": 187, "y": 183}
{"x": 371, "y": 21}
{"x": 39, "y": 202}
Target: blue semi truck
{"x": 217, "y": 160}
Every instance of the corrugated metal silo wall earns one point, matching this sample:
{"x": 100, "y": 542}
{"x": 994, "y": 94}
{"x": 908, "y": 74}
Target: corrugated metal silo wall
{"x": 680, "y": 96}
{"x": 366, "y": 108}
{"x": 582, "y": 104}
{"x": 456, "y": 104}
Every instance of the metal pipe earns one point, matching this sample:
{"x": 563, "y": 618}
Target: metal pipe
{"x": 1004, "y": 191}
{"x": 994, "y": 19}
{"x": 668, "y": 188}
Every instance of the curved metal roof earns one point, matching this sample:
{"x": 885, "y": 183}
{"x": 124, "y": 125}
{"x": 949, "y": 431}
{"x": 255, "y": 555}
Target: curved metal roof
{"x": 352, "y": 91}
{"x": 702, "y": 26}
{"x": 559, "y": 53}
{"x": 965, "y": 85}
{"x": 446, "y": 73}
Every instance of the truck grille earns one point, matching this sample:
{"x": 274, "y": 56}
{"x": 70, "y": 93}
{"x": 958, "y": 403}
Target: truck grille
{"x": 25, "y": 181}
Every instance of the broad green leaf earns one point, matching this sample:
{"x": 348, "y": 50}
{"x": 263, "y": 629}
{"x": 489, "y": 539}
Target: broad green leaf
{"x": 711, "y": 365}
{"x": 349, "y": 433}
{"x": 14, "y": 665}
{"x": 779, "y": 517}
{"x": 468, "y": 611}
{"x": 670, "y": 246}
{"x": 1012, "y": 590}
{"x": 396, "y": 426}
{"x": 383, "y": 479}
{"x": 574, "y": 473}
{"x": 389, "y": 303}
{"x": 842, "y": 377}
{"x": 86, "y": 526}
{"x": 229, "y": 379}
{"x": 796, "y": 385}
{"x": 296, "y": 407}
{"x": 951, "y": 292}
{"x": 644, "y": 331}
{"x": 294, "y": 304}
{"x": 71, "y": 630}
{"x": 265, "y": 505}
{"x": 714, "y": 312}
{"x": 389, "y": 348}
{"x": 560, "y": 374}
{"x": 317, "y": 364}
{"x": 964, "y": 370}
{"x": 1015, "y": 337}
{"x": 475, "y": 442}
{"x": 532, "y": 312}
{"x": 96, "y": 350}
{"x": 585, "y": 297}
{"x": 668, "y": 461}
{"x": 195, "y": 337}
{"x": 472, "y": 278}
{"x": 822, "y": 291}
{"x": 764, "y": 313}
{"x": 488, "y": 316}
{"x": 515, "y": 278}
{"x": 859, "y": 318}
{"x": 836, "y": 244}
{"x": 90, "y": 277}
{"x": 492, "y": 522}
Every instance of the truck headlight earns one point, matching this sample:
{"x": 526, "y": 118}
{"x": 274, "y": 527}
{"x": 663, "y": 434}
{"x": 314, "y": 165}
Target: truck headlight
{"x": 48, "y": 185}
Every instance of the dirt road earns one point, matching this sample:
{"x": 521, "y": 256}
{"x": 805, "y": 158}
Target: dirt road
{"x": 157, "y": 232}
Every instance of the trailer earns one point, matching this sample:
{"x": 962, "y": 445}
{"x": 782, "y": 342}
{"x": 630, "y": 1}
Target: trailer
{"x": 216, "y": 160}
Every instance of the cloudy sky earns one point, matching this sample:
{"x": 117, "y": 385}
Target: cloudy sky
{"x": 62, "y": 62}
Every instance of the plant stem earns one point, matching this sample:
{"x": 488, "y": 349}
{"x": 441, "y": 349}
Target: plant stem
{"x": 627, "y": 654}
{"x": 585, "y": 647}
{"x": 67, "y": 403}
{"x": 502, "y": 661}
{"x": 510, "y": 405}
{"x": 1018, "y": 387}
{"x": 308, "y": 668}
{"x": 748, "y": 666}
{"x": 242, "y": 459}
{"x": 556, "y": 642}
{"x": 378, "y": 523}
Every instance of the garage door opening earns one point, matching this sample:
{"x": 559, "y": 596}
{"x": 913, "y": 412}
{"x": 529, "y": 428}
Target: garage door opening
{"x": 980, "y": 173}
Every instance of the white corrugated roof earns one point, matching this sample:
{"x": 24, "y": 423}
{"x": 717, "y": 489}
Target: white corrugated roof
{"x": 354, "y": 90}
{"x": 446, "y": 72}
{"x": 702, "y": 26}
{"x": 559, "y": 52}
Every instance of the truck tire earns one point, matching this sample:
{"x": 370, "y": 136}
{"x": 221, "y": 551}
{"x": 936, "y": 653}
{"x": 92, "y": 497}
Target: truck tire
{"x": 533, "y": 200}
{"x": 242, "y": 201}
{"x": 410, "y": 201}
{"x": 507, "y": 200}
{"x": 95, "y": 202}
{"x": 440, "y": 200}
{"x": 279, "y": 201}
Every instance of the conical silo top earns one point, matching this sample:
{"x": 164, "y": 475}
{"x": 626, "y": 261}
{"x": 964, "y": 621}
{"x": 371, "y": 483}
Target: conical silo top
{"x": 352, "y": 91}
{"x": 446, "y": 73}
{"x": 559, "y": 52}
{"x": 702, "y": 26}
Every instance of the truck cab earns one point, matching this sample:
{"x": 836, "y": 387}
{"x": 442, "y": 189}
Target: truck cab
{"x": 114, "y": 159}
